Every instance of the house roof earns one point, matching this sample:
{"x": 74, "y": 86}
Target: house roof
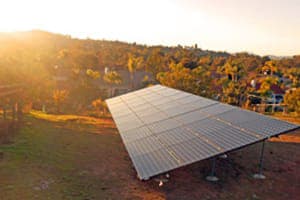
{"x": 274, "y": 88}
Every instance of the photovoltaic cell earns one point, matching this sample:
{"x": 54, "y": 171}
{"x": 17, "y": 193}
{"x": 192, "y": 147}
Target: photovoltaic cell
{"x": 135, "y": 134}
{"x": 153, "y": 117}
{"x": 223, "y": 135}
{"x": 193, "y": 150}
{"x": 163, "y": 128}
{"x": 144, "y": 145}
{"x": 175, "y": 136}
{"x": 257, "y": 123}
{"x": 188, "y": 99}
{"x": 191, "y": 117}
{"x": 163, "y": 125}
{"x": 142, "y": 108}
{"x": 217, "y": 109}
{"x": 156, "y": 162}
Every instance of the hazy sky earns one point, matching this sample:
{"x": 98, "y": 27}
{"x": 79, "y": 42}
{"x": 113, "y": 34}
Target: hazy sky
{"x": 257, "y": 26}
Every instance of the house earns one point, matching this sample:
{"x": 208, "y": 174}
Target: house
{"x": 63, "y": 79}
{"x": 61, "y": 76}
{"x": 276, "y": 96}
{"x": 139, "y": 81}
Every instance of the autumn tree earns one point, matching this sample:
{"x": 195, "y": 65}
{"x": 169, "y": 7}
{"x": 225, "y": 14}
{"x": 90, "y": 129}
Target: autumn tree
{"x": 156, "y": 61}
{"x": 133, "y": 64}
{"x": 233, "y": 92}
{"x": 112, "y": 78}
{"x": 234, "y": 69}
{"x": 59, "y": 96}
{"x": 196, "y": 81}
{"x": 294, "y": 75}
{"x": 265, "y": 87}
{"x": 99, "y": 105}
{"x": 31, "y": 61}
{"x": 270, "y": 67}
{"x": 292, "y": 99}
{"x": 93, "y": 73}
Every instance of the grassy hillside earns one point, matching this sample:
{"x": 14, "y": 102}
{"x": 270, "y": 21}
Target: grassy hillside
{"x": 73, "y": 157}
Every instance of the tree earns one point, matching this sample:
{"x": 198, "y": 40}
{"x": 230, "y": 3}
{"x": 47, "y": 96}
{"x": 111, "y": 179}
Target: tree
{"x": 270, "y": 67}
{"x": 292, "y": 99}
{"x": 233, "y": 92}
{"x": 157, "y": 61}
{"x": 99, "y": 105}
{"x": 59, "y": 96}
{"x": 112, "y": 78}
{"x": 30, "y": 61}
{"x": 203, "y": 80}
{"x": 133, "y": 64}
{"x": 146, "y": 81}
{"x": 265, "y": 87}
{"x": 294, "y": 75}
{"x": 93, "y": 73}
{"x": 196, "y": 81}
{"x": 177, "y": 77}
{"x": 234, "y": 69}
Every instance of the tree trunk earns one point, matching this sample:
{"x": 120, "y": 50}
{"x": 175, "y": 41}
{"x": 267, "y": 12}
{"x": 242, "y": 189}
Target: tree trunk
{"x": 132, "y": 80}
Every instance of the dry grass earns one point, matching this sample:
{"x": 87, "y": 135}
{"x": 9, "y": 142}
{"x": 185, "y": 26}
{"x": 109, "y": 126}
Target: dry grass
{"x": 74, "y": 118}
{"x": 75, "y": 157}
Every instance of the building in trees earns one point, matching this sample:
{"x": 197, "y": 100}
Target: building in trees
{"x": 126, "y": 84}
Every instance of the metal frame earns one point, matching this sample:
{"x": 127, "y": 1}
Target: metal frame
{"x": 260, "y": 175}
{"x": 212, "y": 177}
{"x": 250, "y": 142}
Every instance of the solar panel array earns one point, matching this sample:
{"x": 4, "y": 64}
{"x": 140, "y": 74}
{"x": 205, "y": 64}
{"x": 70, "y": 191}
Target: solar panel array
{"x": 163, "y": 128}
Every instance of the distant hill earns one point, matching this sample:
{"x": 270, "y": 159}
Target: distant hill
{"x": 279, "y": 57}
{"x": 44, "y": 62}
{"x": 108, "y": 53}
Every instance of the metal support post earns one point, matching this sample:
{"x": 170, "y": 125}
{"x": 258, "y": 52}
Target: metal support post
{"x": 212, "y": 176}
{"x": 260, "y": 175}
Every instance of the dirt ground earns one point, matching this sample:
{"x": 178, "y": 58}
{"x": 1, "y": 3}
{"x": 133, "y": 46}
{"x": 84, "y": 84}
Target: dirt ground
{"x": 69, "y": 157}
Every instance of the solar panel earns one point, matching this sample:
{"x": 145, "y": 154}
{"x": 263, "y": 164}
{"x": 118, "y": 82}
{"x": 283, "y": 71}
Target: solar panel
{"x": 163, "y": 128}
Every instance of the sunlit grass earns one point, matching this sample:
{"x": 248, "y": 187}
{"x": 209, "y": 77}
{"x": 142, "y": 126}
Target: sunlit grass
{"x": 292, "y": 137}
{"x": 287, "y": 138}
{"x": 75, "y": 118}
{"x": 291, "y": 117}
{"x": 50, "y": 160}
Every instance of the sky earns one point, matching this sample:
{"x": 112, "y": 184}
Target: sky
{"x": 264, "y": 27}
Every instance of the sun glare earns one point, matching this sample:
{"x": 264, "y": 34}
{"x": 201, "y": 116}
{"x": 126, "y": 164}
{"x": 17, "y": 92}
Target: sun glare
{"x": 230, "y": 26}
